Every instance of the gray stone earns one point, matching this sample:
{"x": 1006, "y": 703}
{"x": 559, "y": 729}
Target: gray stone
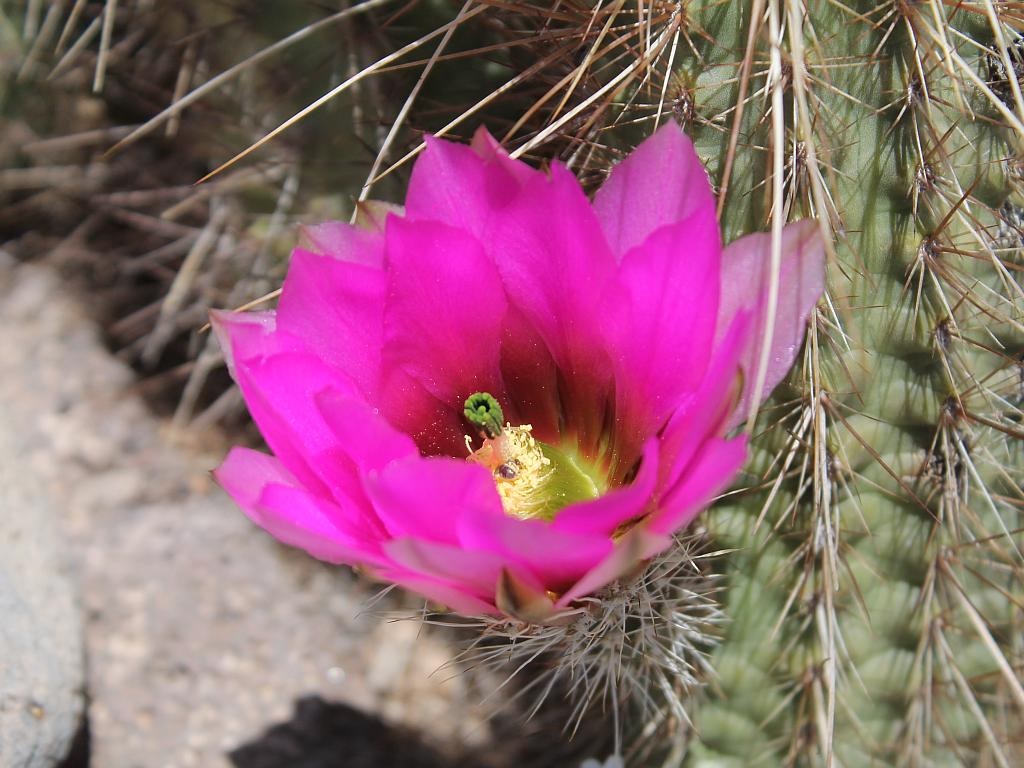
{"x": 41, "y": 668}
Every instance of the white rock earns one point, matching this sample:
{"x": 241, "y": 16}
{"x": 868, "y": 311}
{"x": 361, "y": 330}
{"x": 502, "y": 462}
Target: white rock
{"x": 41, "y": 668}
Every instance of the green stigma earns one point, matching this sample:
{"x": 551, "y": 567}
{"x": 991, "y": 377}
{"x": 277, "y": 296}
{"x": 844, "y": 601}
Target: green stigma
{"x": 484, "y": 413}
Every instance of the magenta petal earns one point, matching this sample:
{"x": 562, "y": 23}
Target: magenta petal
{"x": 473, "y": 571}
{"x": 266, "y": 493}
{"x": 746, "y": 274}
{"x": 369, "y": 441}
{"x": 660, "y": 183}
{"x": 453, "y": 596}
{"x": 605, "y": 514}
{"x": 555, "y": 263}
{"x": 278, "y": 380}
{"x": 425, "y": 497}
{"x": 709, "y": 413}
{"x": 245, "y": 472}
{"x": 710, "y": 473}
{"x": 303, "y": 519}
{"x": 463, "y": 186}
{"x": 243, "y": 335}
{"x": 553, "y": 258}
{"x": 490, "y": 151}
{"x": 438, "y": 428}
{"x": 442, "y": 325}
{"x": 365, "y": 442}
{"x": 337, "y": 308}
{"x": 661, "y": 324}
{"x": 556, "y": 558}
{"x": 632, "y": 549}
{"x": 531, "y": 377}
{"x": 281, "y": 392}
{"x": 344, "y": 242}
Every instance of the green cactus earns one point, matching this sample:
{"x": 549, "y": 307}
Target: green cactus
{"x": 875, "y": 596}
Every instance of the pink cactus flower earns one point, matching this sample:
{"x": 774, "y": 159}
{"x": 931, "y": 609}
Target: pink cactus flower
{"x": 505, "y": 397}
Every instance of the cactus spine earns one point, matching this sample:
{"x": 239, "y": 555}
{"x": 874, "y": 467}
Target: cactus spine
{"x": 875, "y": 592}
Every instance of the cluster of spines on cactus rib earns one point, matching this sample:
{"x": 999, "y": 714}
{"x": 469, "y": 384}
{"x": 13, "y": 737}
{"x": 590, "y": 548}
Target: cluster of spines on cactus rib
{"x": 872, "y": 605}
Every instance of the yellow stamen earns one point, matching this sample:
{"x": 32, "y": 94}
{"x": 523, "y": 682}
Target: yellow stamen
{"x": 520, "y": 469}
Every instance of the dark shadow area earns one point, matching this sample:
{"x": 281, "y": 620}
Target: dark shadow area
{"x": 78, "y": 755}
{"x": 540, "y": 741}
{"x": 329, "y": 735}
{"x": 324, "y": 734}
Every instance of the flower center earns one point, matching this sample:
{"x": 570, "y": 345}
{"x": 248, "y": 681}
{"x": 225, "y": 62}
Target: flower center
{"x": 534, "y": 480}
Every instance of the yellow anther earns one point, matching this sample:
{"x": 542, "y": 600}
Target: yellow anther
{"x": 520, "y": 469}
